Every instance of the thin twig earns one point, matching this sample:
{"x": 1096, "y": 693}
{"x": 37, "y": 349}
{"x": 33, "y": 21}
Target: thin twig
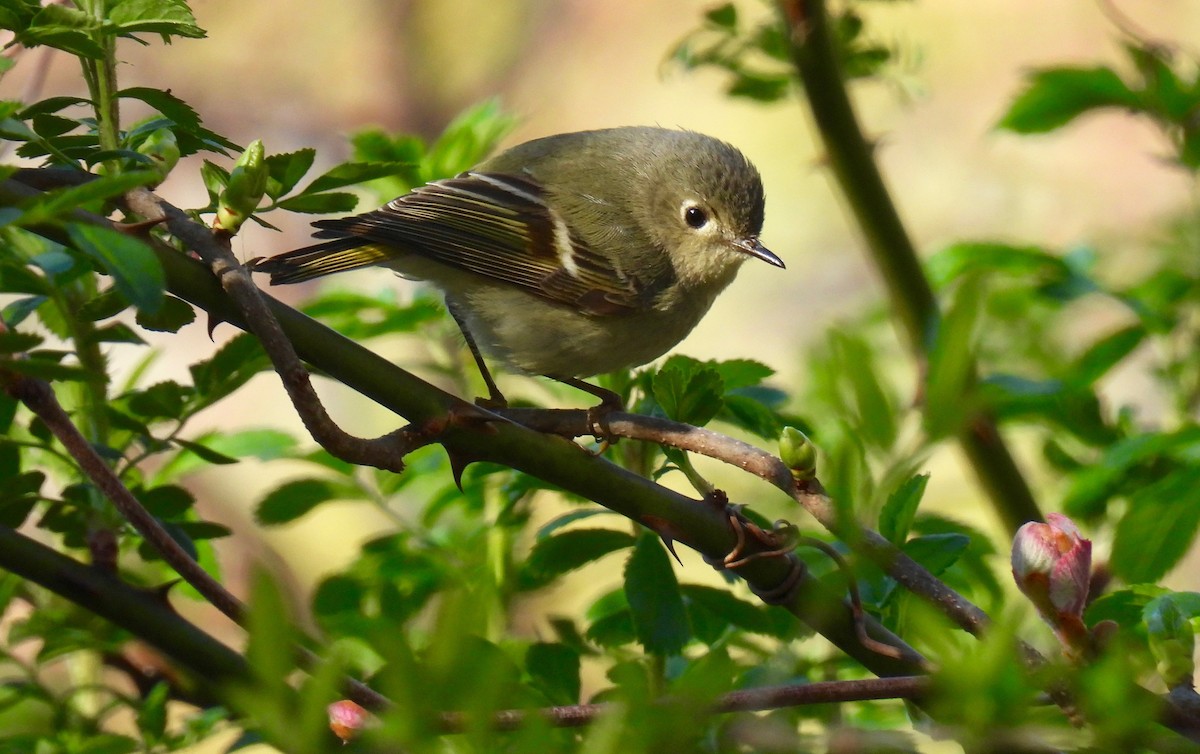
{"x": 748, "y": 700}
{"x": 386, "y": 452}
{"x": 39, "y": 397}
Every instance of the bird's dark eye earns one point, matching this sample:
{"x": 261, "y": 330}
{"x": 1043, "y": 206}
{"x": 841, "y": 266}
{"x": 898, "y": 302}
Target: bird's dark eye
{"x": 695, "y": 217}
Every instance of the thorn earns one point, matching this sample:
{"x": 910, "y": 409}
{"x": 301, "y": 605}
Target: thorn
{"x": 458, "y": 464}
{"x": 669, "y": 543}
{"x": 213, "y": 322}
{"x": 138, "y": 228}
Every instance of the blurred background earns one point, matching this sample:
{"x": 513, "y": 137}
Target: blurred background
{"x": 311, "y": 74}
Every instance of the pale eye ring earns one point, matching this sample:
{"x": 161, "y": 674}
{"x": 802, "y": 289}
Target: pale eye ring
{"x": 695, "y": 217}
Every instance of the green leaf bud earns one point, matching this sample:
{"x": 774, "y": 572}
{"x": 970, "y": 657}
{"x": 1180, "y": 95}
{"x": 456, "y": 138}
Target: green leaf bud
{"x": 245, "y": 189}
{"x": 1172, "y": 640}
{"x": 798, "y": 453}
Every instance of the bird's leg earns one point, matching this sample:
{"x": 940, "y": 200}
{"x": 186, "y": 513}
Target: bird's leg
{"x": 495, "y": 398}
{"x": 610, "y": 402}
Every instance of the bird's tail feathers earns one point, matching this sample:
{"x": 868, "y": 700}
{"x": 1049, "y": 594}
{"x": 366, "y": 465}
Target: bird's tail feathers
{"x": 321, "y": 259}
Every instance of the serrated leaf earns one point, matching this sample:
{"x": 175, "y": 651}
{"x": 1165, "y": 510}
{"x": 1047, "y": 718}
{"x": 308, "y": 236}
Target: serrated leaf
{"x": 163, "y": 400}
{"x": 294, "y": 499}
{"x": 688, "y": 391}
{"x": 317, "y": 204}
{"x": 135, "y": 270}
{"x": 898, "y": 513}
{"x": 13, "y": 341}
{"x": 655, "y": 601}
{"x": 171, "y": 107}
{"x": 59, "y": 201}
{"x": 65, "y": 28}
{"x": 553, "y": 556}
{"x": 1157, "y": 530}
{"x": 741, "y": 373}
{"x": 166, "y": 17}
{"x": 352, "y": 173}
{"x": 47, "y": 369}
{"x": 286, "y": 170}
{"x": 1054, "y": 97}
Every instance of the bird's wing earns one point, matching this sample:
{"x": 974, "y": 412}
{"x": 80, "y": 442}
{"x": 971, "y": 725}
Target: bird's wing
{"x": 499, "y": 226}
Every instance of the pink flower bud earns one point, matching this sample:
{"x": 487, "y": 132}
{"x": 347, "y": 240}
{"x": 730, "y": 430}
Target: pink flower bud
{"x": 1052, "y": 563}
{"x": 346, "y": 719}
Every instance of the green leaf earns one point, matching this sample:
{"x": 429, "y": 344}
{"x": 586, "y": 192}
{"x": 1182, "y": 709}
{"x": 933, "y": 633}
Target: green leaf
{"x": 168, "y": 501}
{"x": 950, "y": 361}
{"x": 152, "y": 714}
{"x": 741, "y": 373}
{"x": 736, "y": 612}
{"x": 1054, "y": 97}
{"x": 875, "y": 409}
{"x": 317, "y": 204}
{"x": 1157, "y": 530}
{"x": 352, "y": 173}
{"x": 170, "y": 317}
{"x": 554, "y": 669}
{"x": 135, "y": 270}
{"x": 13, "y": 341}
{"x": 760, "y": 87}
{"x": 688, "y": 391}
{"x": 655, "y": 601}
{"x": 937, "y": 552}
{"x": 962, "y": 259}
{"x": 174, "y": 109}
{"x": 1106, "y": 353}
{"x": 900, "y": 510}
{"x": 65, "y": 28}
{"x": 294, "y": 499}
{"x": 751, "y": 415}
{"x": 205, "y": 453}
{"x": 49, "y": 369}
{"x": 553, "y": 556}
{"x": 286, "y": 170}
{"x": 60, "y": 201}
{"x": 1106, "y": 476}
{"x": 163, "y": 400}
{"x": 1123, "y": 606}
{"x": 229, "y": 368}
{"x": 723, "y": 16}
{"x": 1075, "y": 409}
{"x": 166, "y": 17}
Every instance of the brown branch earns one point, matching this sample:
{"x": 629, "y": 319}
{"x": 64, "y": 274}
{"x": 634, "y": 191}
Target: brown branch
{"x": 386, "y": 452}
{"x": 749, "y": 700}
{"x": 39, "y": 397}
{"x": 811, "y": 496}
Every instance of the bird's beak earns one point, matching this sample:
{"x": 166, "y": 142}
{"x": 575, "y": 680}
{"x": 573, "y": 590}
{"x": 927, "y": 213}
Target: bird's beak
{"x": 752, "y": 247}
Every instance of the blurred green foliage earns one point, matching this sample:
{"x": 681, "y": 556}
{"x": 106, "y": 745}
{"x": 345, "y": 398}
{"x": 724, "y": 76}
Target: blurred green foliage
{"x": 424, "y": 611}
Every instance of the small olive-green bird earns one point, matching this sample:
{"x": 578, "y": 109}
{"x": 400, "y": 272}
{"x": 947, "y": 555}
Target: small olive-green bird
{"x": 565, "y": 256}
